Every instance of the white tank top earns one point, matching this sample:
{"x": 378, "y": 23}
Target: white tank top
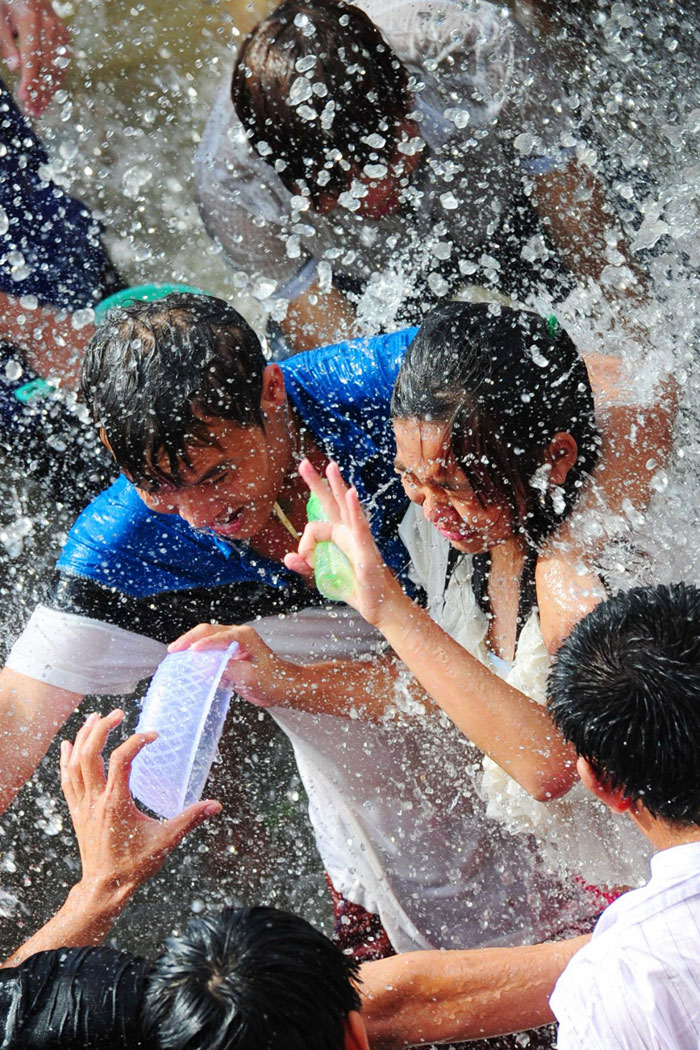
{"x": 577, "y": 833}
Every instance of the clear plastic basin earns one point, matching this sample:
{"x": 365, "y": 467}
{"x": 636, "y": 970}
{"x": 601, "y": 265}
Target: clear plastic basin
{"x": 186, "y": 704}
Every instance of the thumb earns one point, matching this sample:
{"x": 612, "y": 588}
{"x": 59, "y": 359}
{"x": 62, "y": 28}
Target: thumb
{"x": 188, "y": 820}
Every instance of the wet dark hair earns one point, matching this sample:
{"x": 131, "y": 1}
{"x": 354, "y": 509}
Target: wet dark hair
{"x": 506, "y": 381}
{"x": 357, "y": 87}
{"x": 153, "y": 370}
{"x": 625, "y": 690}
{"x": 250, "y": 979}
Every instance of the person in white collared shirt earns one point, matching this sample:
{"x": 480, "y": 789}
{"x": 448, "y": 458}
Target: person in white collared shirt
{"x": 625, "y": 690}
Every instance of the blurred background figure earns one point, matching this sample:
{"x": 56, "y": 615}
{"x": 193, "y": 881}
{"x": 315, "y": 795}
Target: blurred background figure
{"x": 368, "y": 159}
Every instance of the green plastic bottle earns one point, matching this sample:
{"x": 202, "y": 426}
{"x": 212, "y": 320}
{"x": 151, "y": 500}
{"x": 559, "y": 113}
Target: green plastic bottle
{"x": 333, "y": 571}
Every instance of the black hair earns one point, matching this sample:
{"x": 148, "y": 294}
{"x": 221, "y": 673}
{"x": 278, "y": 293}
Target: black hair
{"x": 154, "y": 370}
{"x": 625, "y": 690}
{"x": 250, "y": 979}
{"x": 505, "y": 381}
{"x": 311, "y": 83}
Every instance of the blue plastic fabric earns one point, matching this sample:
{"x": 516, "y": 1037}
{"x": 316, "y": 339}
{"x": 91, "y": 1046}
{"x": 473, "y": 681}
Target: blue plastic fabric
{"x": 342, "y": 393}
{"x": 56, "y": 234}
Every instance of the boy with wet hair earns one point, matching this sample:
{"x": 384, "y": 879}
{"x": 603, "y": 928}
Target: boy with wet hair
{"x": 155, "y": 374}
{"x": 366, "y": 158}
{"x": 250, "y": 978}
{"x": 625, "y": 690}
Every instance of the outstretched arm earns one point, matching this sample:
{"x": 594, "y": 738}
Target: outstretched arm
{"x": 437, "y": 997}
{"x": 120, "y": 847}
{"x": 515, "y": 731}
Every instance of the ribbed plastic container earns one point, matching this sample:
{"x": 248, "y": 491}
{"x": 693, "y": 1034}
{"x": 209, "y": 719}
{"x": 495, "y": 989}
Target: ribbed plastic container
{"x": 186, "y": 704}
{"x": 146, "y": 293}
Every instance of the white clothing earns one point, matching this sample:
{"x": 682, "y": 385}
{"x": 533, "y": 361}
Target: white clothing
{"x": 636, "y": 986}
{"x": 489, "y": 112}
{"x": 576, "y": 833}
{"x": 398, "y": 822}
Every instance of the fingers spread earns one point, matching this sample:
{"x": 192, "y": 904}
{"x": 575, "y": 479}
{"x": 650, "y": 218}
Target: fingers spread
{"x": 320, "y": 489}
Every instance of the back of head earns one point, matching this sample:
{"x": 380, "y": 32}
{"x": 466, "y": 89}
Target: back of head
{"x": 625, "y": 690}
{"x": 154, "y": 370}
{"x": 250, "y": 979}
{"x": 320, "y": 93}
{"x": 505, "y": 381}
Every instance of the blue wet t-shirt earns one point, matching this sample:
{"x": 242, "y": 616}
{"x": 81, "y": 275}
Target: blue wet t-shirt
{"x": 119, "y": 555}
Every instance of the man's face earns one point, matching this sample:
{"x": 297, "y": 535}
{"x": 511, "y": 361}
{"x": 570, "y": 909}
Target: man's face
{"x": 231, "y": 486}
{"x": 382, "y": 195}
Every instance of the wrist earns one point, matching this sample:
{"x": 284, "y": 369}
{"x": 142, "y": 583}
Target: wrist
{"x": 101, "y": 896}
{"x": 393, "y": 608}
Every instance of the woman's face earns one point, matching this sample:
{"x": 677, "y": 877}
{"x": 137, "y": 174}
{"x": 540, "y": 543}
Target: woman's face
{"x": 432, "y": 478}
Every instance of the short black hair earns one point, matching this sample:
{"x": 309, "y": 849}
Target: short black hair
{"x": 625, "y": 690}
{"x": 506, "y": 381}
{"x": 154, "y": 370}
{"x": 312, "y": 83}
{"x": 250, "y": 979}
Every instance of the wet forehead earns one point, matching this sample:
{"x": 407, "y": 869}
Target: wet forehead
{"x": 219, "y": 443}
{"x": 423, "y": 448}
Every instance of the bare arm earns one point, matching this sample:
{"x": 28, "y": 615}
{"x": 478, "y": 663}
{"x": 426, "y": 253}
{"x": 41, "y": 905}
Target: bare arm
{"x": 31, "y": 713}
{"x": 437, "y": 997}
{"x": 574, "y": 209}
{"x": 318, "y": 318}
{"x": 120, "y": 847}
{"x": 51, "y": 345}
{"x": 515, "y": 731}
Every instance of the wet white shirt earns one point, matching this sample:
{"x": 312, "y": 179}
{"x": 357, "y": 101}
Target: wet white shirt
{"x": 490, "y": 110}
{"x": 636, "y": 986}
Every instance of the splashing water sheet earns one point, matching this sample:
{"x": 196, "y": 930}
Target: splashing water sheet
{"x": 121, "y": 135}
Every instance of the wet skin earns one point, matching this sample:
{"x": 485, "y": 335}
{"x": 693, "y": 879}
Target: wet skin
{"x": 432, "y": 478}
{"x": 231, "y": 486}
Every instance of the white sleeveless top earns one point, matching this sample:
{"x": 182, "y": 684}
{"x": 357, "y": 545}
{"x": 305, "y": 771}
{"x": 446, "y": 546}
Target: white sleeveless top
{"x": 576, "y": 834}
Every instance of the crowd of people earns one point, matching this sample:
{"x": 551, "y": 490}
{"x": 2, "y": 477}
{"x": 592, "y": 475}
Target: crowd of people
{"x": 494, "y": 745}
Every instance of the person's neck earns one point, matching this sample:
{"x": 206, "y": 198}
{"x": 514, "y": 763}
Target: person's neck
{"x": 664, "y": 834}
{"x": 508, "y": 558}
{"x": 276, "y": 539}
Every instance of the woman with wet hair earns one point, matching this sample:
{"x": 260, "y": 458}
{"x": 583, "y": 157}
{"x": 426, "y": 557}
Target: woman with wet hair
{"x": 499, "y": 450}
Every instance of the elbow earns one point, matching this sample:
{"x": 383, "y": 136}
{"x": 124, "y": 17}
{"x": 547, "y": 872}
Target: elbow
{"x": 548, "y": 785}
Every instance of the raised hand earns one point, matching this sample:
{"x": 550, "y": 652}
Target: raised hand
{"x": 34, "y": 43}
{"x": 119, "y": 845}
{"x": 375, "y": 585}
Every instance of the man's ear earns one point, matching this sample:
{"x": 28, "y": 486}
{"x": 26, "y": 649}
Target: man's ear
{"x": 561, "y": 454}
{"x": 614, "y": 798}
{"x": 355, "y": 1032}
{"x": 273, "y": 392}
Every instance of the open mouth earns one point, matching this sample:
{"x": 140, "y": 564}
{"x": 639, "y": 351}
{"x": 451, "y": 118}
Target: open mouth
{"x": 229, "y": 524}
